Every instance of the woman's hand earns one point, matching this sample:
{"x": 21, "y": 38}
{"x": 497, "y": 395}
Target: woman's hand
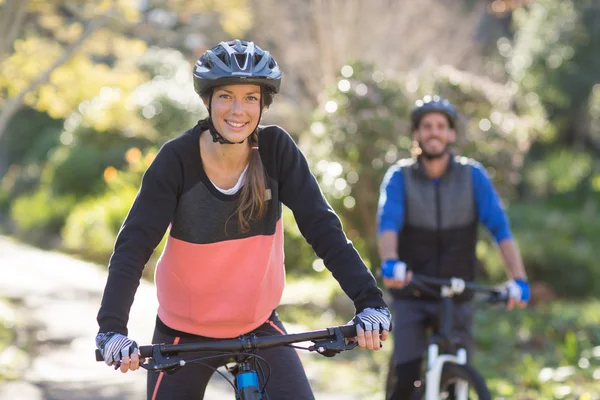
{"x": 118, "y": 351}
{"x": 372, "y": 327}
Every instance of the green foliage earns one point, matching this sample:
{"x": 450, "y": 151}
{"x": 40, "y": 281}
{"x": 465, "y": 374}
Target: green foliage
{"x": 4, "y": 200}
{"x": 92, "y": 226}
{"x": 299, "y": 256}
{"x": 168, "y": 102}
{"x": 533, "y": 353}
{"x": 33, "y": 134}
{"x": 364, "y": 127}
{"x": 594, "y": 113}
{"x": 560, "y": 171}
{"x": 40, "y": 214}
{"x": 559, "y": 246}
{"x": 80, "y": 172}
{"x": 555, "y": 53}
{"x": 554, "y": 60}
{"x": 539, "y": 352}
{"x": 64, "y": 91}
{"x": 107, "y": 58}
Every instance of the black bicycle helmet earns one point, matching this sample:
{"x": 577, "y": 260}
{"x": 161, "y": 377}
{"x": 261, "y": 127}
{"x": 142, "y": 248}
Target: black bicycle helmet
{"x": 433, "y": 104}
{"x": 234, "y": 62}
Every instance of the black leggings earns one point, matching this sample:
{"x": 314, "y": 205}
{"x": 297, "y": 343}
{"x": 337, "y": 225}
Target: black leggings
{"x": 288, "y": 379}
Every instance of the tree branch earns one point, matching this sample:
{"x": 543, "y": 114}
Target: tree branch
{"x": 14, "y": 104}
{"x": 13, "y": 13}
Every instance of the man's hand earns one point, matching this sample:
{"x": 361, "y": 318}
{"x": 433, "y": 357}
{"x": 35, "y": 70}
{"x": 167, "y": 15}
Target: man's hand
{"x": 395, "y": 274}
{"x": 518, "y": 293}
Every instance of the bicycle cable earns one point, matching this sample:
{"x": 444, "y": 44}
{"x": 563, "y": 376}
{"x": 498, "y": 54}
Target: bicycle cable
{"x": 298, "y": 347}
{"x": 224, "y": 354}
{"x": 217, "y": 371}
{"x": 265, "y": 378}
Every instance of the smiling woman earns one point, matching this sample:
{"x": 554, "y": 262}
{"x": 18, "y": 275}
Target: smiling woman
{"x": 220, "y": 187}
{"x": 235, "y": 110}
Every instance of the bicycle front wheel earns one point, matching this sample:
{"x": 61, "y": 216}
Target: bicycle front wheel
{"x": 455, "y": 376}
{"x": 458, "y": 382}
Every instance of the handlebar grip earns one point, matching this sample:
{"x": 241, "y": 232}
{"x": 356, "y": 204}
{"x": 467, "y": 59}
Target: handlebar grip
{"x": 145, "y": 351}
{"x": 349, "y": 331}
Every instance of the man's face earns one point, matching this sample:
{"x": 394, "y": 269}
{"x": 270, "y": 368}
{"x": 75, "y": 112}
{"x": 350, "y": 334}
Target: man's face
{"x": 434, "y": 134}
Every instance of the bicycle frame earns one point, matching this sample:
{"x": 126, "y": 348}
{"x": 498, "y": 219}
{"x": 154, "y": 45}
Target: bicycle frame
{"x": 436, "y": 361}
{"x": 444, "y": 338}
{"x": 247, "y": 382}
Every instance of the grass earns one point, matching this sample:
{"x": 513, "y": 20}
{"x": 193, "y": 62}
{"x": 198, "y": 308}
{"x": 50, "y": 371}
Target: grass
{"x": 551, "y": 351}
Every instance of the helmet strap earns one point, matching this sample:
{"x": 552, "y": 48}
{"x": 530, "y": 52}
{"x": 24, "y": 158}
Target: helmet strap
{"x": 217, "y": 137}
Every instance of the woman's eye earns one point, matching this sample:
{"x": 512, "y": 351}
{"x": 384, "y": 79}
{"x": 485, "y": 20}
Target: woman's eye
{"x": 223, "y": 96}
{"x": 252, "y": 98}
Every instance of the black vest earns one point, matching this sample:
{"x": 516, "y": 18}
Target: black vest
{"x": 439, "y": 236}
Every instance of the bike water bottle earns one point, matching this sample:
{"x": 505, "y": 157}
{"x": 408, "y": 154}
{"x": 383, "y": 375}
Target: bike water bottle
{"x": 247, "y": 383}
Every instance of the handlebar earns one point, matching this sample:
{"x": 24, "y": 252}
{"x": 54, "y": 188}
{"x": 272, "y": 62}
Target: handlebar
{"x": 328, "y": 342}
{"x": 455, "y": 286}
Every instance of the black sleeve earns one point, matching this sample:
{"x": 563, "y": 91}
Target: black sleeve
{"x": 143, "y": 229}
{"x": 318, "y": 223}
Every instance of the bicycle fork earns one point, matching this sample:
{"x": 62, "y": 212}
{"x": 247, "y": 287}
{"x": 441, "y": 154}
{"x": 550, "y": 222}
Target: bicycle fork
{"x": 433, "y": 377}
{"x": 246, "y": 382}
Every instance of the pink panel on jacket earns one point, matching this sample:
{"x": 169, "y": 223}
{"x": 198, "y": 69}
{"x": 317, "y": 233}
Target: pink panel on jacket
{"x": 222, "y": 289}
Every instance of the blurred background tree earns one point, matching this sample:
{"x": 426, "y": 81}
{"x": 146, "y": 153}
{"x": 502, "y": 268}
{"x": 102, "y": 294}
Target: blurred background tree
{"x": 87, "y": 82}
{"x": 90, "y": 90}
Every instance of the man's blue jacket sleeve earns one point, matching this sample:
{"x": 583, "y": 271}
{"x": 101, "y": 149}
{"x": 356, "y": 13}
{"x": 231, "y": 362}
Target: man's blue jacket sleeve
{"x": 489, "y": 206}
{"x": 390, "y": 212}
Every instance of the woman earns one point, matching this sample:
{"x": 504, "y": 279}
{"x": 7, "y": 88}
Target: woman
{"x": 221, "y": 186}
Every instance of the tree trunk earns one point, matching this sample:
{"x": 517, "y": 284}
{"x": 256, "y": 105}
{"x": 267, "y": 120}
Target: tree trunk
{"x": 11, "y": 19}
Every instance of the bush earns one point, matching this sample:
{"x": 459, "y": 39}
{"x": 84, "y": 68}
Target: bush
{"x": 80, "y": 172}
{"x": 93, "y": 225}
{"x": 4, "y": 202}
{"x": 40, "y": 214}
{"x": 91, "y": 228}
{"x": 559, "y": 247}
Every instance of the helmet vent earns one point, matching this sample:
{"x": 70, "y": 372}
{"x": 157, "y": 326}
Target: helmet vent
{"x": 241, "y": 60}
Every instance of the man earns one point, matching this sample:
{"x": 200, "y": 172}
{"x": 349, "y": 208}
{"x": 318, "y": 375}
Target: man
{"x": 429, "y": 209}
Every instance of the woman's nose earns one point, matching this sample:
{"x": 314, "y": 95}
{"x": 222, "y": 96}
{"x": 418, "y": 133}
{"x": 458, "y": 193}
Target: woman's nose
{"x": 237, "y": 106}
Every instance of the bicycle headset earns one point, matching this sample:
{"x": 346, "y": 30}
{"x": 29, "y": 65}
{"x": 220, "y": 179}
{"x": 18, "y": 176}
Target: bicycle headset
{"x": 236, "y": 62}
{"x": 430, "y": 104}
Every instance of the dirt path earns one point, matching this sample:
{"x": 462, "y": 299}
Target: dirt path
{"x": 54, "y": 300}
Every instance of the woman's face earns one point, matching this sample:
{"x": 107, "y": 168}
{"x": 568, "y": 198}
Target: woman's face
{"x": 235, "y": 110}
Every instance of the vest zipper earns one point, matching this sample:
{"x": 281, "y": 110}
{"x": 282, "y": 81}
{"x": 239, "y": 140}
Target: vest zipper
{"x": 438, "y": 216}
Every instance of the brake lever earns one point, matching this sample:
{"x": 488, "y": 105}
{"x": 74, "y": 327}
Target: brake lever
{"x": 331, "y": 347}
{"x": 158, "y": 362}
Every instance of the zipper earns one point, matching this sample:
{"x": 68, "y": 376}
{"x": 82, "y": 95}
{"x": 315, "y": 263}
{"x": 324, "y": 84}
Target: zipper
{"x": 438, "y": 217}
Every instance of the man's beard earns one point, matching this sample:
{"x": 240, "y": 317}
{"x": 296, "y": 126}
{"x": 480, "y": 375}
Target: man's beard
{"x": 432, "y": 156}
